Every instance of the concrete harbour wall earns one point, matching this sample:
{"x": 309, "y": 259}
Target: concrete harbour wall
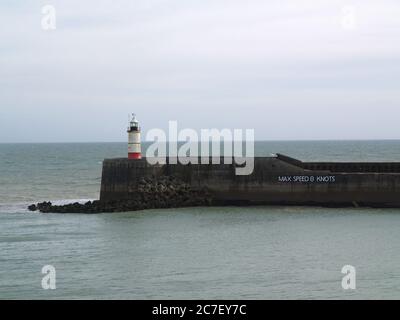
{"x": 275, "y": 180}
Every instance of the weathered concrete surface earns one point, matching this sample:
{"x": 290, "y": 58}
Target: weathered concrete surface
{"x": 275, "y": 180}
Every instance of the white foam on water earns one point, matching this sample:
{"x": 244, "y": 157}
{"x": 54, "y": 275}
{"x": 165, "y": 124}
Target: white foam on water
{"x": 13, "y": 208}
{"x": 69, "y": 201}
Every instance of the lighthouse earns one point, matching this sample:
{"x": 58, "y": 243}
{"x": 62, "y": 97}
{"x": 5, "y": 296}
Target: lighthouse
{"x": 134, "y": 147}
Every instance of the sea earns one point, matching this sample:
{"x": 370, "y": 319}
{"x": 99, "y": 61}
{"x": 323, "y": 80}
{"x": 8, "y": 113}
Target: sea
{"x": 263, "y": 252}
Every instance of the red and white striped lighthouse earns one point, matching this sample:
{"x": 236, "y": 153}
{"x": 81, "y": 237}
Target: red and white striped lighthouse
{"x": 134, "y": 147}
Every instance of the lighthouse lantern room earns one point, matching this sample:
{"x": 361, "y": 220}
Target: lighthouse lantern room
{"x": 134, "y": 147}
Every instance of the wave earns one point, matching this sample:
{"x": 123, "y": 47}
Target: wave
{"x": 67, "y": 201}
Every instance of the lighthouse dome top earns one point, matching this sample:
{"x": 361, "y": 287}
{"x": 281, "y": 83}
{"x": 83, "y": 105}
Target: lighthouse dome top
{"x": 134, "y": 119}
{"x": 134, "y": 124}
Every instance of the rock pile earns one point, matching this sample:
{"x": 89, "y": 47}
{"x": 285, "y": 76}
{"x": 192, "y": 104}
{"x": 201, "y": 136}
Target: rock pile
{"x": 152, "y": 193}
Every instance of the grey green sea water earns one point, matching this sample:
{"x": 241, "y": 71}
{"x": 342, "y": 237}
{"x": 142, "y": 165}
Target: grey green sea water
{"x": 200, "y": 253}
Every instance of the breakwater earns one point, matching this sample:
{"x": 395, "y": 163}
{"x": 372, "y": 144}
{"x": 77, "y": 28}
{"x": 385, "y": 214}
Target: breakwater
{"x": 278, "y": 180}
{"x": 129, "y": 185}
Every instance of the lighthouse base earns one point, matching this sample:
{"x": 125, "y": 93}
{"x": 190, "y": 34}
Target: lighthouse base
{"x": 135, "y": 155}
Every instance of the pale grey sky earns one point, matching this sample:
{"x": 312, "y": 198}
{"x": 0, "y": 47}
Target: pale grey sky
{"x": 289, "y": 69}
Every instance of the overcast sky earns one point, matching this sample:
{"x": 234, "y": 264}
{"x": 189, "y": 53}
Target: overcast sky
{"x": 289, "y": 69}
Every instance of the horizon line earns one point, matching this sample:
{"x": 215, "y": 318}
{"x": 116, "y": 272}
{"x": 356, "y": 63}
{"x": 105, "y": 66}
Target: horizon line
{"x": 172, "y": 141}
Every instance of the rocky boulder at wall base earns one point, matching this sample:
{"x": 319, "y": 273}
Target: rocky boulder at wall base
{"x": 152, "y": 193}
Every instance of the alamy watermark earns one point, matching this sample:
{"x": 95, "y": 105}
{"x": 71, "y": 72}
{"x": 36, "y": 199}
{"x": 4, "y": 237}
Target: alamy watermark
{"x": 348, "y": 18}
{"x": 49, "y": 19}
{"x": 349, "y": 280}
{"x": 237, "y": 148}
{"x": 49, "y": 280}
